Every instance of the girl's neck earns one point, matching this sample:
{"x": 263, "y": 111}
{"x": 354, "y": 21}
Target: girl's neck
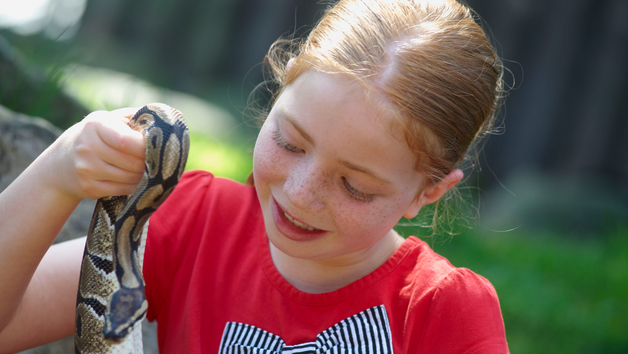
{"x": 326, "y": 275}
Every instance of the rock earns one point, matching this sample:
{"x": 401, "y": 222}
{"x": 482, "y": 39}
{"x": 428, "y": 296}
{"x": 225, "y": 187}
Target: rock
{"x": 22, "y": 139}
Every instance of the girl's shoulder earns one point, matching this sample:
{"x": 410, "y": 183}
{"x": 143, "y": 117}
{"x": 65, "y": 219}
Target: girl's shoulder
{"x": 460, "y": 305}
{"x": 435, "y": 273}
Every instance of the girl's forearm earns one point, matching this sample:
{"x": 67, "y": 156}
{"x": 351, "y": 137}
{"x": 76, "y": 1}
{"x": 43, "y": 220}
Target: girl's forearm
{"x": 31, "y": 216}
{"x": 97, "y": 157}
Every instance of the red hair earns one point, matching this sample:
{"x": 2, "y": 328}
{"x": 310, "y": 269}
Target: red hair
{"x": 428, "y": 60}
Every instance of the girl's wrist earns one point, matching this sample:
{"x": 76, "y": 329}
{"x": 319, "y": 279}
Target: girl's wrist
{"x": 52, "y": 177}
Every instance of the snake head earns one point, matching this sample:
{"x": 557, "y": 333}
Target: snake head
{"x": 126, "y": 308}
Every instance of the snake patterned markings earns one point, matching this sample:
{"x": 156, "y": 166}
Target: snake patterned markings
{"x": 110, "y": 302}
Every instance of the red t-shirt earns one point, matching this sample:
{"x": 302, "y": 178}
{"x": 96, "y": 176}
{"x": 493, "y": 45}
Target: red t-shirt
{"x": 213, "y": 288}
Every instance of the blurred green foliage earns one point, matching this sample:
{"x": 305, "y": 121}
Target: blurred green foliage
{"x": 31, "y": 79}
{"x": 221, "y": 158}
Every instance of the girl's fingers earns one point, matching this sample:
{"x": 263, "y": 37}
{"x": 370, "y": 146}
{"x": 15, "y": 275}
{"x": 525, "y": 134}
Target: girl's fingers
{"x": 100, "y": 161}
{"x": 122, "y": 160}
{"x": 100, "y": 156}
{"x": 119, "y": 136}
{"x": 111, "y": 173}
{"x": 99, "y": 179}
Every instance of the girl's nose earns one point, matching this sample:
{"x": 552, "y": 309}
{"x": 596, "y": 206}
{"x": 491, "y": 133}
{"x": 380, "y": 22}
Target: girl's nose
{"x": 306, "y": 188}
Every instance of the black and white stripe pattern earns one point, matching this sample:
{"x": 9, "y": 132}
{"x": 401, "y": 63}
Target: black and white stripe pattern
{"x": 366, "y": 332}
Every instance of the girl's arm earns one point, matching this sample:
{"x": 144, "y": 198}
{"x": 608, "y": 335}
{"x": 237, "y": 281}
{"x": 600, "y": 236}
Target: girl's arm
{"x": 47, "y": 308}
{"x": 97, "y": 157}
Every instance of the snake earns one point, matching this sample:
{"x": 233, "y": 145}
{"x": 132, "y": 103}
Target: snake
{"x": 111, "y": 302}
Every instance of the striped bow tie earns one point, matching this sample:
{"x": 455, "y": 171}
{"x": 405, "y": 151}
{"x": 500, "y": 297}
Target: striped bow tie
{"x": 366, "y": 332}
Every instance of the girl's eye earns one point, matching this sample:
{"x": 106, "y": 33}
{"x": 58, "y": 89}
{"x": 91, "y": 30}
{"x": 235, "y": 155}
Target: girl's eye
{"x": 283, "y": 144}
{"x": 354, "y": 193}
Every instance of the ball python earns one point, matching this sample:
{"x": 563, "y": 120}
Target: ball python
{"x": 110, "y": 302}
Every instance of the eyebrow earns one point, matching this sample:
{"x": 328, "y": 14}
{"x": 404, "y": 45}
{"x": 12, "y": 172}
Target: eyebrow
{"x": 298, "y": 128}
{"x": 364, "y": 170}
{"x": 345, "y": 163}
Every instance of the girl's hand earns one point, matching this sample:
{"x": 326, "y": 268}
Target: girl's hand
{"x": 99, "y": 156}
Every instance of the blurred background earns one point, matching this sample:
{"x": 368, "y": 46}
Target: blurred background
{"x": 546, "y": 211}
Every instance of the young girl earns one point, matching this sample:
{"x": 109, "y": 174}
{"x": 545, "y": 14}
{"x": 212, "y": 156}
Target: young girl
{"x": 375, "y": 112}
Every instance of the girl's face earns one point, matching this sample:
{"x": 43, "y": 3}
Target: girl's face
{"x": 331, "y": 180}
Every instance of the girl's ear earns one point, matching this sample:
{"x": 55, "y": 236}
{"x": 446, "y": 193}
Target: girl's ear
{"x": 290, "y": 64}
{"x": 433, "y": 193}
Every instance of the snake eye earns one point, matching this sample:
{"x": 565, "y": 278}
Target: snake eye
{"x": 143, "y": 121}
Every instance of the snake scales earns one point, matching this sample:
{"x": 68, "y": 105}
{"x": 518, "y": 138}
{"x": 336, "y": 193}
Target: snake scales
{"x": 110, "y": 302}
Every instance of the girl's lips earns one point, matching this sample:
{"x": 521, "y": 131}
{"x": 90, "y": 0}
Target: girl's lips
{"x": 290, "y": 230}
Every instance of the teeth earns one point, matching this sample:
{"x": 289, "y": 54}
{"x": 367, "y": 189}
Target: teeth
{"x": 298, "y": 224}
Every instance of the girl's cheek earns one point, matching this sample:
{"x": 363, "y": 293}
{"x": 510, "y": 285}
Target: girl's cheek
{"x": 370, "y": 219}
{"x": 267, "y": 161}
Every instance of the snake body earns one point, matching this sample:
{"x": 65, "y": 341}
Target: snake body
{"x": 110, "y": 302}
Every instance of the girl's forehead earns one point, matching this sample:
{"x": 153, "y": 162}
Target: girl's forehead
{"x": 339, "y": 117}
{"x": 314, "y": 94}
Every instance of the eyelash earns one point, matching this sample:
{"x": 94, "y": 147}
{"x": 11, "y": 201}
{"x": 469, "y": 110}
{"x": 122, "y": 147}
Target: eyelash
{"x": 283, "y": 144}
{"x": 353, "y": 193}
